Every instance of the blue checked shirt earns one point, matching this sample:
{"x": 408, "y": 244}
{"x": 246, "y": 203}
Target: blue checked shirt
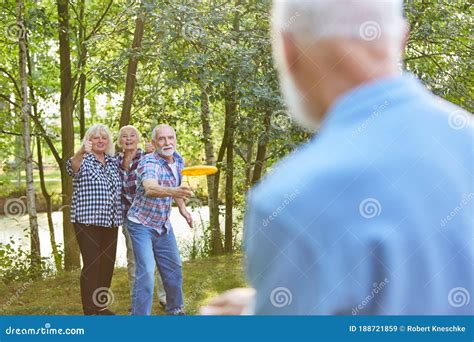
{"x": 96, "y": 198}
{"x": 152, "y": 211}
{"x": 374, "y": 216}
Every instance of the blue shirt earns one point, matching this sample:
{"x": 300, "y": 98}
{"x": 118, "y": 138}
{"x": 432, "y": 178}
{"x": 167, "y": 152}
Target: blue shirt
{"x": 374, "y": 216}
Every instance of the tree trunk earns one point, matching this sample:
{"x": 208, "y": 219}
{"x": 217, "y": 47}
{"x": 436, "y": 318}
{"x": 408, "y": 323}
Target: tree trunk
{"x": 25, "y": 115}
{"x": 82, "y": 65}
{"x": 56, "y": 255}
{"x": 82, "y": 116}
{"x": 131, "y": 73}
{"x": 213, "y": 201}
{"x": 230, "y": 111}
{"x": 215, "y": 190}
{"x": 248, "y": 166}
{"x": 49, "y": 209}
{"x": 71, "y": 249}
{"x": 18, "y": 158}
{"x": 261, "y": 150}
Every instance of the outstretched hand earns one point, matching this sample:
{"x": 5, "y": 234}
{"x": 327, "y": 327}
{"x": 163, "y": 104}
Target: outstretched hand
{"x": 237, "y": 301}
{"x": 182, "y": 192}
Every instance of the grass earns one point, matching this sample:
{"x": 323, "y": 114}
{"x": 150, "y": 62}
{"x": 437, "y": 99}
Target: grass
{"x": 60, "y": 295}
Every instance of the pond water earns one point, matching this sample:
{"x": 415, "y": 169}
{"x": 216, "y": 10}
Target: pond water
{"x": 17, "y": 228}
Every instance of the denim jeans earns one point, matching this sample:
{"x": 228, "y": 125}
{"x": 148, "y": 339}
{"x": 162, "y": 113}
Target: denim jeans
{"x": 160, "y": 290}
{"x": 152, "y": 249}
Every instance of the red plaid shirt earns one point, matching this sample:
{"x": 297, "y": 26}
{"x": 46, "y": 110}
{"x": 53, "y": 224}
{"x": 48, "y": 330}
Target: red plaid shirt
{"x": 153, "y": 211}
{"x": 129, "y": 180}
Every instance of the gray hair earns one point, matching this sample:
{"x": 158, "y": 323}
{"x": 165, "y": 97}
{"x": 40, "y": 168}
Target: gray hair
{"x": 366, "y": 20}
{"x": 97, "y": 129}
{"x": 158, "y": 127}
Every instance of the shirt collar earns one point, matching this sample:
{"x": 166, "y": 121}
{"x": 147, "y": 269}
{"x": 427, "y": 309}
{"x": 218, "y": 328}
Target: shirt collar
{"x": 91, "y": 156}
{"x": 138, "y": 155}
{"x": 177, "y": 158}
{"x": 363, "y": 100}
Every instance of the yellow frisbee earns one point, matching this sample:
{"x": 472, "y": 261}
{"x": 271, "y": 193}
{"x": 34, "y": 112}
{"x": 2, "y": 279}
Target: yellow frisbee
{"x": 199, "y": 170}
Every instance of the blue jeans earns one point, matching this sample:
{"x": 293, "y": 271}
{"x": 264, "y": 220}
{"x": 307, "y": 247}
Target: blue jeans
{"x": 160, "y": 290}
{"x": 152, "y": 249}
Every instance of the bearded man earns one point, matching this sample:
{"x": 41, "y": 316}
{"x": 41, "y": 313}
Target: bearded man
{"x": 373, "y": 216}
{"x": 149, "y": 226}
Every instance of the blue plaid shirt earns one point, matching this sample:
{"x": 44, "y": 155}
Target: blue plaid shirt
{"x": 96, "y": 192}
{"x": 153, "y": 211}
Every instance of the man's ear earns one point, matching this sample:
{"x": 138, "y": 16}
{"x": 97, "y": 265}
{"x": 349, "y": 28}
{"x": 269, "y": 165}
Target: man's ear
{"x": 155, "y": 145}
{"x": 291, "y": 52}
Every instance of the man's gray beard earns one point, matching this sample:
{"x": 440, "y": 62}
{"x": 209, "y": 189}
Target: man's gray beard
{"x": 165, "y": 154}
{"x": 295, "y": 104}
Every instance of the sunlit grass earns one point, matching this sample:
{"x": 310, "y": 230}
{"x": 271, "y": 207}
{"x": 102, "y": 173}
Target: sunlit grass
{"x": 203, "y": 279}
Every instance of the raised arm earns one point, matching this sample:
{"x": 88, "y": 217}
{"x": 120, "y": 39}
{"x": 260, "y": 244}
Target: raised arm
{"x": 76, "y": 160}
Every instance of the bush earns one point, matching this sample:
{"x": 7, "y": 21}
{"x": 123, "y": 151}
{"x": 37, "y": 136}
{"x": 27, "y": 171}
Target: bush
{"x": 16, "y": 264}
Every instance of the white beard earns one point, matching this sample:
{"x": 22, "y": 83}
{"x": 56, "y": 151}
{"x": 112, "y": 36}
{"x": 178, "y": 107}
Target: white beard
{"x": 164, "y": 153}
{"x": 294, "y": 100}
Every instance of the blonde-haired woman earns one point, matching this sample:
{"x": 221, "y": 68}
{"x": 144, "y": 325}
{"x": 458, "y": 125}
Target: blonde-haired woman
{"x": 128, "y": 159}
{"x": 96, "y": 213}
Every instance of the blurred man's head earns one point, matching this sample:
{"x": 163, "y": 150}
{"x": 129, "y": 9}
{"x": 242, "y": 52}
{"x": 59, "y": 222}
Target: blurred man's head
{"x": 164, "y": 140}
{"x": 323, "y": 48}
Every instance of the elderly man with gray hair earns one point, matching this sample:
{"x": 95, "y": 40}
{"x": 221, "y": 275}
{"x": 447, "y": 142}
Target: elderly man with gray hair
{"x": 373, "y": 216}
{"x": 149, "y": 226}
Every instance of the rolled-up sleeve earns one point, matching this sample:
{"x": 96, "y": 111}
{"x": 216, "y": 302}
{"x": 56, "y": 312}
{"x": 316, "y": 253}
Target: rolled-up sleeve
{"x": 147, "y": 169}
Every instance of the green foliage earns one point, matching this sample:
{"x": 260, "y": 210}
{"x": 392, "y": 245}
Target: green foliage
{"x": 188, "y": 47}
{"x": 16, "y": 264}
{"x": 439, "y": 48}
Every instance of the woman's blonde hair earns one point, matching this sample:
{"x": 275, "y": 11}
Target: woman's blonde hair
{"x": 98, "y": 129}
{"x": 128, "y": 127}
